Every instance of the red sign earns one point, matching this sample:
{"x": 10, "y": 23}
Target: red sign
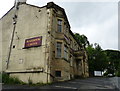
{"x": 33, "y": 42}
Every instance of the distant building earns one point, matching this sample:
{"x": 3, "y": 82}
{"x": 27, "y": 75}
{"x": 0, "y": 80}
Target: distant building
{"x": 37, "y": 44}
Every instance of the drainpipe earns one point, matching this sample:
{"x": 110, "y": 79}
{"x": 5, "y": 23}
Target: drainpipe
{"x": 48, "y": 46}
{"x": 14, "y": 26}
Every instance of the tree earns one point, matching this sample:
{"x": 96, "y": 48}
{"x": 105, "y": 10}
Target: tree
{"x": 82, "y": 39}
{"x": 113, "y": 62}
{"x": 91, "y": 58}
{"x": 97, "y": 59}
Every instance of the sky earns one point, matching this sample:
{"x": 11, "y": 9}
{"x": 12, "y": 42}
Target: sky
{"x": 97, "y": 19}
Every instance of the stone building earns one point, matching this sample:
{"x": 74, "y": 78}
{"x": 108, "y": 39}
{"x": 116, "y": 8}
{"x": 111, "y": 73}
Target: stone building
{"x": 38, "y": 45}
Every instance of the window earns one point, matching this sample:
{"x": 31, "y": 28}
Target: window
{"x": 65, "y": 52}
{"x": 59, "y": 25}
{"x": 71, "y": 60}
{"x": 59, "y": 49}
{"x": 58, "y": 73}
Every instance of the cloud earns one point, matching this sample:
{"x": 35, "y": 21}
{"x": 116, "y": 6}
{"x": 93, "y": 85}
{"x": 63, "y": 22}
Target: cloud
{"x": 97, "y": 20}
{"x": 86, "y": 13}
{"x": 5, "y": 5}
{"x": 104, "y": 33}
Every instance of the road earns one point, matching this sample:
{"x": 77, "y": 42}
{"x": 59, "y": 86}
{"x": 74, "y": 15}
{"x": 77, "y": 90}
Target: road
{"x": 88, "y": 84}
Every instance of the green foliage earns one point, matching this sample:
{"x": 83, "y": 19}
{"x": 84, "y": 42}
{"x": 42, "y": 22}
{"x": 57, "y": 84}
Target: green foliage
{"x": 97, "y": 59}
{"x": 105, "y": 74}
{"x": 6, "y": 79}
{"x": 82, "y": 39}
{"x": 37, "y": 84}
{"x": 30, "y": 81}
{"x": 114, "y": 62}
{"x": 41, "y": 84}
{"x": 91, "y": 62}
{"x": 0, "y": 77}
{"x": 118, "y": 74}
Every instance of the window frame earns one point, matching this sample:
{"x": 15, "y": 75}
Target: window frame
{"x": 59, "y": 25}
{"x": 71, "y": 60}
{"x": 65, "y": 52}
{"x": 58, "y": 49}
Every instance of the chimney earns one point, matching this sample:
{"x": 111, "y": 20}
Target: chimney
{"x": 18, "y": 2}
{"x": 50, "y": 4}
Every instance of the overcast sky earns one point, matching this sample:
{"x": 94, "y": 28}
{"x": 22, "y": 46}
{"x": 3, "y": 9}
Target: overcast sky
{"x": 98, "y": 20}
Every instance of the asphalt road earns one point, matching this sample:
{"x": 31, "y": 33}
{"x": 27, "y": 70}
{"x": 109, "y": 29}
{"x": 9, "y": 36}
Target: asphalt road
{"x": 88, "y": 84}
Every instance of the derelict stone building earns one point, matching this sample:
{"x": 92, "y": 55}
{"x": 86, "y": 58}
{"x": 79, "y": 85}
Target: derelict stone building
{"x": 37, "y": 44}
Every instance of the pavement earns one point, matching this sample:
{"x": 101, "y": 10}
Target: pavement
{"x": 88, "y": 84}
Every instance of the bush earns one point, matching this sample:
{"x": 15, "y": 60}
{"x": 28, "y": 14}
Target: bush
{"x": 118, "y": 73}
{"x": 0, "y": 78}
{"x": 6, "y": 79}
{"x": 105, "y": 74}
{"x": 30, "y": 81}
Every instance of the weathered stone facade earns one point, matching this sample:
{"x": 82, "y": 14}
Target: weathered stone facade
{"x": 58, "y": 58}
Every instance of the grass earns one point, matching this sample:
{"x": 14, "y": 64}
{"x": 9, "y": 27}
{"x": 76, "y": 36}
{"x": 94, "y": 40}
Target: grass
{"x": 37, "y": 84}
{"x": 0, "y": 78}
{"x": 6, "y": 79}
{"x": 40, "y": 84}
